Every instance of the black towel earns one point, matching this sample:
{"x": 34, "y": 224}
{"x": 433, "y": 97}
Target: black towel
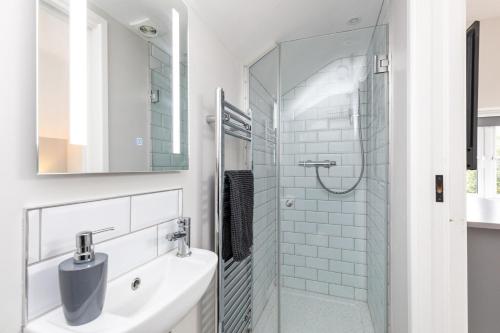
{"x": 237, "y": 228}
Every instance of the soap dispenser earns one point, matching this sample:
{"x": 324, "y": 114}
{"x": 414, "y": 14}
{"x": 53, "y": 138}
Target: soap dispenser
{"x": 82, "y": 281}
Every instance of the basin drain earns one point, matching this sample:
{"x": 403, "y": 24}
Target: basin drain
{"x": 135, "y": 284}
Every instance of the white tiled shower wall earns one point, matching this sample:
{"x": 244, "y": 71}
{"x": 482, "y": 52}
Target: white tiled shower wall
{"x": 323, "y": 236}
{"x": 265, "y": 206}
{"x": 377, "y": 187}
{"x": 140, "y": 224}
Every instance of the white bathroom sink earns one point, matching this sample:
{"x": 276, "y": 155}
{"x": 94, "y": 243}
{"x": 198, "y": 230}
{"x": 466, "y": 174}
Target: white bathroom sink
{"x": 170, "y": 287}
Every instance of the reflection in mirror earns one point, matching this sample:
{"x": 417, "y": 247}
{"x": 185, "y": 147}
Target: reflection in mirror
{"x": 112, "y": 86}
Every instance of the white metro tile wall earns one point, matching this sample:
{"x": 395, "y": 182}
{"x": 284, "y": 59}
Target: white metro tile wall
{"x": 59, "y": 225}
{"x": 128, "y": 250}
{"x": 323, "y": 236}
{"x": 154, "y": 208}
{"x": 163, "y": 230}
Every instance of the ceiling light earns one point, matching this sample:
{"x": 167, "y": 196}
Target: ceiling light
{"x": 148, "y": 31}
{"x": 354, "y": 21}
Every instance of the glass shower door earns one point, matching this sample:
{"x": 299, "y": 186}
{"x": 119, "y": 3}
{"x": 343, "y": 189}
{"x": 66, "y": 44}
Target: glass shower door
{"x": 333, "y": 183}
{"x": 263, "y": 79}
{"x": 378, "y": 182}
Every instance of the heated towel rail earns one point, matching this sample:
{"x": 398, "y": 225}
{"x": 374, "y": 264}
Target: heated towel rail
{"x": 234, "y": 304}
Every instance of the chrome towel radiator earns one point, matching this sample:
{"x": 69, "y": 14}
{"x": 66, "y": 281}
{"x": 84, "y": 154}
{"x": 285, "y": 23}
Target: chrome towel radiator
{"x": 234, "y": 303}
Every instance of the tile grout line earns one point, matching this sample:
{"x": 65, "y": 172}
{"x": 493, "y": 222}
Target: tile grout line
{"x": 130, "y": 214}
{"x": 39, "y": 235}
{"x": 84, "y": 201}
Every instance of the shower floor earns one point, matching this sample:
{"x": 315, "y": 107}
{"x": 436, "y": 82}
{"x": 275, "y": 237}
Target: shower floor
{"x": 304, "y": 312}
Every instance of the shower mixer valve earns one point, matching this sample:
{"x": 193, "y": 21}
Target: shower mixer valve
{"x": 316, "y": 164}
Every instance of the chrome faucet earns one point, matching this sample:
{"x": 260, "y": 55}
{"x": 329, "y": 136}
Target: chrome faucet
{"x": 182, "y": 236}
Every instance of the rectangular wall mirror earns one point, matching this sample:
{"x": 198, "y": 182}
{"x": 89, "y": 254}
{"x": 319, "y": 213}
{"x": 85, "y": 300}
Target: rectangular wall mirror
{"x": 112, "y": 86}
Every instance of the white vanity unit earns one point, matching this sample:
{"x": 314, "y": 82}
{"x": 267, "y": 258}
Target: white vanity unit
{"x": 151, "y": 298}
{"x": 483, "y": 216}
{"x": 150, "y": 288}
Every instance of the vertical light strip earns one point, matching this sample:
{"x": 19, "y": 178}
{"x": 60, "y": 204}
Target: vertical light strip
{"x": 78, "y": 72}
{"x": 176, "y": 112}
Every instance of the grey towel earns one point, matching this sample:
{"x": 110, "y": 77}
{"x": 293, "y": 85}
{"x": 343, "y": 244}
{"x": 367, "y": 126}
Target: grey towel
{"x": 237, "y": 228}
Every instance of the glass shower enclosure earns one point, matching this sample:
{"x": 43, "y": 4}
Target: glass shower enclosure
{"x": 320, "y": 151}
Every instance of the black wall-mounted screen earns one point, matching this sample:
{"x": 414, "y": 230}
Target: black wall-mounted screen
{"x": 472, "y": 93}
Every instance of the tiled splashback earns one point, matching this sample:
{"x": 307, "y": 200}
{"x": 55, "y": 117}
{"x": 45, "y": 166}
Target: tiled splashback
{"x": 140, "y": 224}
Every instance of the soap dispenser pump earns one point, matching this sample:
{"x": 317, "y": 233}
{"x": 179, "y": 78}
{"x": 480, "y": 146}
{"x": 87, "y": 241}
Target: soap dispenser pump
{"x": 82, "y": 281}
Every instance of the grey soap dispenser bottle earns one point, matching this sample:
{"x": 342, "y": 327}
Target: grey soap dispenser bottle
{"x": 82, "y": 281}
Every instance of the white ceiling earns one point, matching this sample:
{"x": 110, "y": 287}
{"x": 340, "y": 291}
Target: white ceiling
{"x": 250, "y": 28}
{"x": 482, "y": 9}
{"x": 300, "y": 59}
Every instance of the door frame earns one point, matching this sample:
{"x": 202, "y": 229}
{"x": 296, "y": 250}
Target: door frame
{"x": 428, "y": 238}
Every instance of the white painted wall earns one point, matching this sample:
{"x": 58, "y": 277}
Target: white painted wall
{"x": 489, "y": 65}
{"x": 210, "y": 66}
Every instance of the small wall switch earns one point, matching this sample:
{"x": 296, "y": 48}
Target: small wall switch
{"x": 439, "y": 188}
